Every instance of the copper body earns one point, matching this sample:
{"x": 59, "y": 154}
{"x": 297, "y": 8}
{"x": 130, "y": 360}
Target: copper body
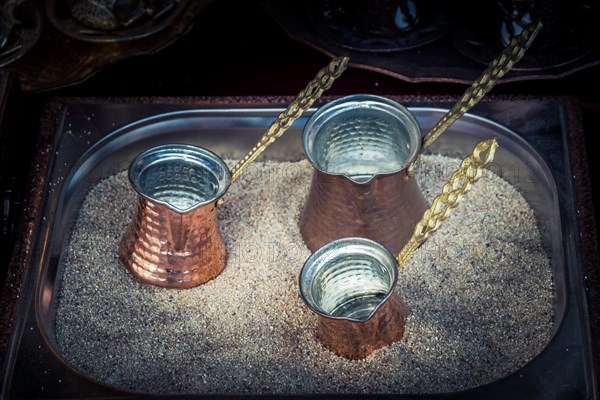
{"x": 360, "y": 147}
{"x": 174, "y": 239}
{"x": 169, "y": 249}
{"x": 385, "y": 209}
{"x": 356, "y": 340}
{"x": 350, "y": 284}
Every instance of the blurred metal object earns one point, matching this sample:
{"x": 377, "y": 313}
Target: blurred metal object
{"x": 429, "y": 57}
{"x": 350, "y": 285}
{"x": 382, "y": 17}
{"x": 570, "y": 33}
{"x": 515, "y": 20}
{"x": 315, "y": 88}
{"x": 44, "y": 67}
{"x": 459, "y": 183}
{"x": 360, "y": 147}
{"x": 117, "y": 14}
{"x": 174, "y": 239}
{"x": 499, "y": 67}
{"x": 113, "y": 20}
{"x": 20, "y": 29}
{"x": 379, "y": 25}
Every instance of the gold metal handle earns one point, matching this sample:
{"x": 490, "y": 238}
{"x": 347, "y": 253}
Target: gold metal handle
{"x": 323, "y": 81}
{"x": 499, "y": 67}
{"x": 459, "y": 183}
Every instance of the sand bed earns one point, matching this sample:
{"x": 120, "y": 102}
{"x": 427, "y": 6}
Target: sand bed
{"x": 480, "y": 290}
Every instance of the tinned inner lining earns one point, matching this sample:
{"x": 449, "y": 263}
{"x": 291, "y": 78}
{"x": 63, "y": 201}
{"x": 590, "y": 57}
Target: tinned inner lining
{"x": 352, "y": 285}
{"x": 181, "y": 183}
{"x": 360, "y": 143}
{"x": 180, "y": 176}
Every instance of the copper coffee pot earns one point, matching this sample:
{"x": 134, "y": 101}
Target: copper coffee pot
{"x": 364, "y": 150}
{"x": 360, "y": 147}
{"x": 350, "y": 283}
{"x": 174, "y": 238}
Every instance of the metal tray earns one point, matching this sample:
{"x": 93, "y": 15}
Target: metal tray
{"x": 95, "y": 139}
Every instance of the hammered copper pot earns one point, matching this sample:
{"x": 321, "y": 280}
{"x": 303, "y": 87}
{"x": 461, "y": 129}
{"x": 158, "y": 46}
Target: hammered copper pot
{"x": 351, "y": 285}
{"x": 360, "y": 147}
{"x": 174, "y": 239}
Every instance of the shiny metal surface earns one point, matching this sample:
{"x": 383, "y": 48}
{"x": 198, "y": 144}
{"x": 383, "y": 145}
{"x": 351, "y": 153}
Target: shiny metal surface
{"x": 349, "y": 283}
{"x": 534, "y": 160}
{"x": 174, "y": 238}
{"x": 361, "y": 136}
{"x": 348, "y": 278}
{"x": 360, "y": 146}
{"x": 179, "y": 176}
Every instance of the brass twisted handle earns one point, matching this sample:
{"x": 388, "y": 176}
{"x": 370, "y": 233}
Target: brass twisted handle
{"x": 315, "y": 88}
{"x": 459, "y": 183}
{"x": 499, "y": 67}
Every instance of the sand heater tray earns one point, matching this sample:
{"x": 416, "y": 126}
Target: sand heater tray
{"x": 95, "y": 138}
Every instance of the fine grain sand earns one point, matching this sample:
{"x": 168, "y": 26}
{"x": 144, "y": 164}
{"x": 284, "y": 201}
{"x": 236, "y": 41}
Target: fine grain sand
{"x": 480, "y": 290}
